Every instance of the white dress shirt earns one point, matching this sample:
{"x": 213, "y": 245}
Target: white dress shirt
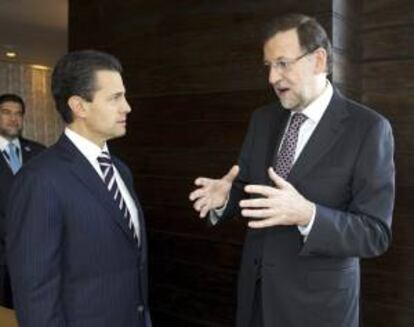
{"x": 314, "y": 112}
{"x": 91, "y": 152}
{"x": 4, "y": 147}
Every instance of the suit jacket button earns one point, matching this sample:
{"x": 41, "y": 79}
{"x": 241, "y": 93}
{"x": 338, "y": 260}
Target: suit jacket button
{"x": 140, "y": 308}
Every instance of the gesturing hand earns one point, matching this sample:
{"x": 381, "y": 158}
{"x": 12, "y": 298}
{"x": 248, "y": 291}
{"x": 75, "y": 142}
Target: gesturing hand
{"x": 212, "y": 193}
{"x": 280, "y": 205}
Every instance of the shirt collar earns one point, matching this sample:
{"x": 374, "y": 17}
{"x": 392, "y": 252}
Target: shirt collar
{"x": 5, "y": 142}
{"x": 315, "y": 110}
{"x": 89, "y": 149}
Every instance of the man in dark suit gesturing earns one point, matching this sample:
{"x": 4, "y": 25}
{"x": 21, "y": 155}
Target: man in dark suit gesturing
{"x": 76, "y": 237}
{"x": 15, "y": 151}
{"x": 315, "y": 179}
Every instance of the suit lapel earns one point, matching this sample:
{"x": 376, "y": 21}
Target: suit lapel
{"x": 277, "y": 127}
{"x": 86, "y": 174}
{"x": 328, "y": 131}
{"x": 4, "y": 165}
{"x": 26, "y": 151}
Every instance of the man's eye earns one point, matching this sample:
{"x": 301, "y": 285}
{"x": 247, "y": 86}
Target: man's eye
{"x": 283, "y": 64}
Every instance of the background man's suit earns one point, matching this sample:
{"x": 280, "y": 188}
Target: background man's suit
{"x": 89, "y": 270}
{"x": 347, "y": 169}
{"x": 29, "y": 150}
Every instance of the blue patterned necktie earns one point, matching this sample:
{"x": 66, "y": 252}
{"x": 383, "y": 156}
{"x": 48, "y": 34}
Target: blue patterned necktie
{"x": 13, "y": 157}
{"x": 106, "y": 165}
{"x": 284, "y": 161}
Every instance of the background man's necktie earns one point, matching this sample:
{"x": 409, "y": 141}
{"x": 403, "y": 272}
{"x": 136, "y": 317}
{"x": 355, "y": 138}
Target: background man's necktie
{"x": 284, "y": 161}
{"x": 106, "y": 165}
{"x": 13, "y": 157}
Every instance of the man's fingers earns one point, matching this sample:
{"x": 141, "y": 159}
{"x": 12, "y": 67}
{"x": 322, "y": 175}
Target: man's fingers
{"x": 257, "y": 213}
{"x": 198, "y": 193}
{"x": 262, "y": 223}
{"x": 232, "y": 174}
{"x": 256, "y": 203}
{"x": 202, "y": 181}
{"x": 200, "y": 203}
{"x": 279, "y": 181}
{"x": 204, "y": 211}
{"x": 266, "y": 191}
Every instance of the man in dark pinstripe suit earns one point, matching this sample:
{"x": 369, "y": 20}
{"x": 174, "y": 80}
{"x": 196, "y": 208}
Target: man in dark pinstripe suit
{"x": 76, "y": 237}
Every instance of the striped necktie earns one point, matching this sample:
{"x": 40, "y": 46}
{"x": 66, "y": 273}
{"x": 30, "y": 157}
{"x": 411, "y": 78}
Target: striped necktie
{"x": 106, "y": 165}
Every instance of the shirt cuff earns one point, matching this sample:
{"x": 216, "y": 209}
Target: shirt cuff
{"x": 305, "y": 230}
{"x": 215, "y": 214}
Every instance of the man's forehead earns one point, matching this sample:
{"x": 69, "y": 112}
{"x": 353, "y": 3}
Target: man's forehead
{"x": 108, "y": 79}
{"x": 11, "y": 105}
{"x": 282, "y": 44}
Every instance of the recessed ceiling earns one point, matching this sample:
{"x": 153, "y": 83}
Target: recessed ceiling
{"x": 35, "y": 29}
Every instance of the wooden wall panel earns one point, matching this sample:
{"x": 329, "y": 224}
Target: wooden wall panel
{"x": 387, "y": 70}
{"x": 388, "y": 43}
{"x": 387, "y": 13}
{"x": 380, "y": 315}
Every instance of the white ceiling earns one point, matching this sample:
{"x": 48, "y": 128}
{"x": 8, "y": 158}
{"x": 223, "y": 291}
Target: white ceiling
{"x": 36, "y": 29}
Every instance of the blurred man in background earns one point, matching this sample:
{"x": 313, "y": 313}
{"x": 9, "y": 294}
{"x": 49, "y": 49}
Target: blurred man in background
{"x": 15, "y": 152}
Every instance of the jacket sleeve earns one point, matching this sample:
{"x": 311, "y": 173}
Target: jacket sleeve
{"x": 34, "y": 251}
{"x": 364, "y": 229}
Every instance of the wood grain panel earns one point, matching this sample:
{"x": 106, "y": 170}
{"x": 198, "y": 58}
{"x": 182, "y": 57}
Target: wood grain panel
{"x": 404, "y": 140}
{"x": 245, "y": 75}
{"x": 395, "y": 262}
{"x": 218, "y": 107}
{"x": 221, "y": 136}
{"x": 404, "y": 168}
{"x": 195, "y": 279}
{"x": 193, "y": 306}
{"x": 396, "y": 105}
{"x": 180, "y": 162}
{"x": 157, "y": 191}
{"x": 201, "y": 252}
{"x": 387, "y": 13}
{"x": 404, "y": 199}
{"x": 391, "y": 290}
{"x": 388, "y": 75}
{"x": 403, "y": 226}
{"x": 377, "y": 314}
{"x": 185, "y": 221}
{"x": 388, "y": 43}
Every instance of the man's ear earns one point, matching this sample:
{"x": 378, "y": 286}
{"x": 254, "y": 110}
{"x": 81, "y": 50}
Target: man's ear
{"x": 321, "y": 61}
{"x": 78, "y": 105}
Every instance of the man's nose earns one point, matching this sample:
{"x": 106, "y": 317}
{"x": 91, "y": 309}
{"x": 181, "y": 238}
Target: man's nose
{"x": 274, "y": 75}
{"x": 126, "y": 107}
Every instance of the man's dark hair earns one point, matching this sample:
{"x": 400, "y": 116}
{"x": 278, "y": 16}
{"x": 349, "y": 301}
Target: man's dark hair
{"x": 10, "y": 97}
{"x": 74, "y": 74}
{"x": 311, "y": 34}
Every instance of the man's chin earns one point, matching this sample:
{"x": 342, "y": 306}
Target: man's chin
{"x": 10, "y": 134}
{"x": 120, "y": 133}
{"x": 288, "y": 105}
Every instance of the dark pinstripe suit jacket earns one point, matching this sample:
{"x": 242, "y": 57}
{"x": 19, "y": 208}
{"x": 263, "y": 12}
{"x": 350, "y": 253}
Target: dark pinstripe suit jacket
{"x": 347, "y": 169}
{"x": 29, "y": 150}
{"x": 73, "y": 261}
